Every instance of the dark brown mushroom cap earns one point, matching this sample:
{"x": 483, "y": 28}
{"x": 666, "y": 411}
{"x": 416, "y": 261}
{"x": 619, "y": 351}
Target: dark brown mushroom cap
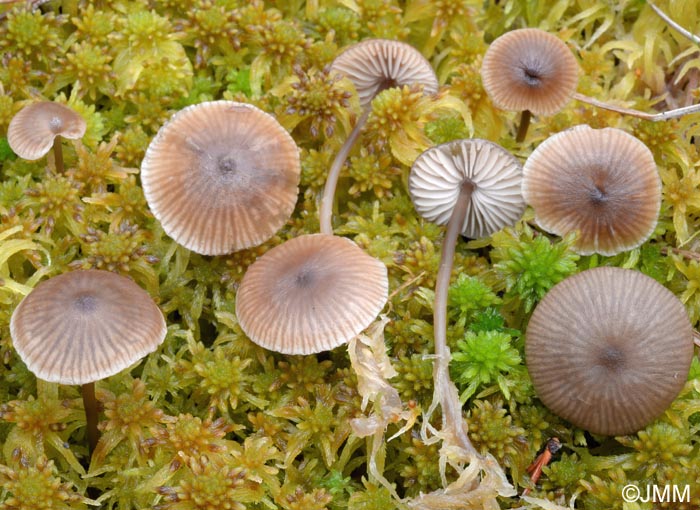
{"x": 377, "y": 64}
{"x": 600, "y": 182}
{"x": 84, "y": 326}
{"x": 221, "y": 176}
{"x": 437, "y": 175}
{"x": 311, "y": 294}
{"x": 609, "y": 349}
{"x": 32, "y": 131}
{"x": 529, "y": 69}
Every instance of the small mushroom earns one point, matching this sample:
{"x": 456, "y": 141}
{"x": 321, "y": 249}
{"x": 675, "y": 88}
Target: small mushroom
{"x": 531, "y": 71}
{"x": 310, "y": 294}
{"x": 373, "y": 66}
{"x": 609, "y": 349}
{"x": 600, "y": 182}
{"x": 221, "y": 176}
{"x": 80, "y": 327}
{"x": 473, "y": 186}
{"x": 39, "y": 126}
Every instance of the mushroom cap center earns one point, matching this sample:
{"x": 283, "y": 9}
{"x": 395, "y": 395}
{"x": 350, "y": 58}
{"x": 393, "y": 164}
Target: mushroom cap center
{"x": 55, "y": 124}
{"x": 612, "y": 358}
{"x": 85, "y": 303}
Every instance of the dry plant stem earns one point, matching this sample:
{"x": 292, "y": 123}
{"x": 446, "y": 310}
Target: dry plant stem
{"x": 673, "y": 24}
{"x": 326, "y": 211}
{"x": 90, "y": 404}
{"x": 449, "y": 401}
{"x": 525, "y": 116}
{"x": 58, "y": 154}
{"x": 653, "y": 117}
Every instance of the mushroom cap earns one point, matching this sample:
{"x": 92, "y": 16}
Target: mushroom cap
{"x": 221, "y": 176}
{"x": 608, "y": 349}
{"x": 601, "y": 182}
{"x": 438, "y": 173}
{"x": 529, "y": 69}
{"x": 376, "y": 64}
{"x": 311, "y": 294}
{"x": 31, "y": 132}
{"x": 83, "y": 326}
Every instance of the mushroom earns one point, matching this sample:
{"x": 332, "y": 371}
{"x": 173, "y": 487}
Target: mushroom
{"x": 221, "y": 176}
{"x": 609, "y": 349}
{"x": 600, "y": 182}
{"x": 80, "y": 327}
{"x": 373, "y": 66}
{"x": 473, "y": 186}
{"x": 311, "y": 294}
{"x": 531, "y": 71}
{"x": 39, "y": 126}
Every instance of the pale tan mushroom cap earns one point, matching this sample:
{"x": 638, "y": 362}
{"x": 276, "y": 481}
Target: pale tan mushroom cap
{"x": 437, "y": 175}
{"x": 221, "y": 176}
{"x": 600, "y": 182}
{"x": 31, "y": 132}
{"x": 311, "y": 294}
{"x": 84, "y": 326}
{"x": 376, "y": 64}
{"x": 529, "y": 69}
{"x": 609, "y": 349}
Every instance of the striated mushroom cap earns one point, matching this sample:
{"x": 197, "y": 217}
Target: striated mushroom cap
{"x": 529, "y": 69}
{"x": 377, "y": 64}
{"x": 438, "y": 173}
{"x": 32, "y": 131}
{"x": 609, "y": 349}
{"x": 83, "y": 326}
{"x": 601, "y": 182}
{"x": 221, "y": 176}
{"x": 311, "y": 294}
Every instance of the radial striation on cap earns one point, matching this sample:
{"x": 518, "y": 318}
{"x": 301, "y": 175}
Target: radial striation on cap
{"x": 221, "y": 176}
{"x": 377, "y": 64}
{"x": 84, "y": 326}
{"x": 600, "y": 182}
{"x": 438, "y": 173}
{"x": 32, "y": 131}
{"x": 529, "y": 69}
{"x": 609, "y": 349}
{"x": 311, "y": 294}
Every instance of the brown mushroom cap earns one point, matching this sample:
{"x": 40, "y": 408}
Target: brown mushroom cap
{"x": 311, "y": 294}
{"x": 438, "y": 173}
{"x": 529, "y": 69}
{"x": 32, "y": 131}
{"x": 221, "y": 176}
{"x": 601, "y": 182}
{"x": 609, "y": 349}
{"x": 376, "y": 64}
{"x": 84, "y": 326}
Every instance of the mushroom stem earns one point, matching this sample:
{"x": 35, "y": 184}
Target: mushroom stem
{"x": 525, "y": 116}
{"x": 653, "y": 117}
{"x": 90, "y": 404}
{"x": 326, "y": 211}
{"x": 58, "y": 154}
{"x": 445, "y": 390}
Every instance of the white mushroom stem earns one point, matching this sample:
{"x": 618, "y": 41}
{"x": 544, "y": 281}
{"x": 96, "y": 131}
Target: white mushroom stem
{"x": 653, "y": 117}
{"x": 91, "y": 411}
{"x": 326, "y": 211}
{"x": 445, "y": 391}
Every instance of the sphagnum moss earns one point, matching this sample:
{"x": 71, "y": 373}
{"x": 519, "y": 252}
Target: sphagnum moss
{"x": 234, "y": 409}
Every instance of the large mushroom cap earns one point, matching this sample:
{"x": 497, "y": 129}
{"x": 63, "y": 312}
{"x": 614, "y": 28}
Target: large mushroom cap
{"x": 32, "y": 131}
{"x": 376, "y": 64}
{"x": 438, "y": 173}
{"x": 311, "y": 294}
{"x": 221, "y": 176}
{"x": 601, "y": 182}
{"x": 609, "y": 349}
{"x": 529, "y": 69}
{"x": 84, "y": 326}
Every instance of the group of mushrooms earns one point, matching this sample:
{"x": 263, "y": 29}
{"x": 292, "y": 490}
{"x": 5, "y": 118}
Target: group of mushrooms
{"x": 607, "y": 349}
